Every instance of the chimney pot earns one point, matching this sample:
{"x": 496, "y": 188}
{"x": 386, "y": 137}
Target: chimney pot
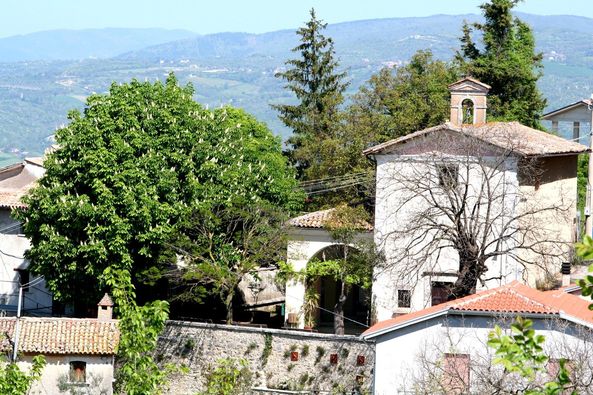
{"x": 105, "y": 308}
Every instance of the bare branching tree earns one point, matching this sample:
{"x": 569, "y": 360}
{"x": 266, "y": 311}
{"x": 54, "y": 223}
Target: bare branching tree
{"x": 462, "y": 202}
{"x": 224, "y": 246}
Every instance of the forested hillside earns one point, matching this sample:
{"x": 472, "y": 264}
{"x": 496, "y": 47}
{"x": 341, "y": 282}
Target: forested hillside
{"x": 239, "y": 68}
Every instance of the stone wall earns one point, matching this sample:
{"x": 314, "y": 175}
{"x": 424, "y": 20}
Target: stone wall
{"x": 278, "y": 359}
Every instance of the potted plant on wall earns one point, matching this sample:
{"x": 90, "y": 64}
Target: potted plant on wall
{"x": 310, "y": 306}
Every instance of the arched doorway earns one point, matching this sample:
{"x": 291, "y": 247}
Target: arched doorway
{"x": 335, "y": 295}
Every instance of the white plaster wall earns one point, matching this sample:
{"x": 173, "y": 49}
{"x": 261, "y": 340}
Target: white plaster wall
{"x": 99, "y": 373}
{"x": 398, "y": 354}
{"x": 391, "y": 215}
{"x": 558, "y": 188}
{"x": 36, "y": 300}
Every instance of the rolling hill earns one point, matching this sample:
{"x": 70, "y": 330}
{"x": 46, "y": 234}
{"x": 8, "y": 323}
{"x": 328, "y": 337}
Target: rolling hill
{"x": 239, "y": 68}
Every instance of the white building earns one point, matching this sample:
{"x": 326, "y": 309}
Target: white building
{"x": 510, "y": 188}
{"x": 15, "y": 181}
{"x": 307, "y": 240}
{"x": 79, "y": 352}
{"x": 442, "y": 349}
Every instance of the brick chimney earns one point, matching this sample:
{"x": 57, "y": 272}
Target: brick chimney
{"x": 105, "y": 308}
{"x": 468, "y": 101}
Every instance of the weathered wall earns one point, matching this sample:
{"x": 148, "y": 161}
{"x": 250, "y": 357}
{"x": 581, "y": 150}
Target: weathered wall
{"x": 199, "y": 346}
{"x": 55, "y": 376}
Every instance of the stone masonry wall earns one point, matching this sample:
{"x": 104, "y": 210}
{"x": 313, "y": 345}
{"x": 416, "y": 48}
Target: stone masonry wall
{"x": 279, "y": 359}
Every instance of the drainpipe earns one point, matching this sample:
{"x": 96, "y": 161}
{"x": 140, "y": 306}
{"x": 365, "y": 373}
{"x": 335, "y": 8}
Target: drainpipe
{"x": 17, "y": 325}
{"x": 589, "y": 218}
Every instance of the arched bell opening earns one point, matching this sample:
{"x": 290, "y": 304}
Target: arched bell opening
{"x": 467, "y": 111}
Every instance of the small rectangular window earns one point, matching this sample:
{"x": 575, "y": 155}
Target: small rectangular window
{"x": 78, "y": 372}
{"x": 24, "y": 279}
{"x": 456, "y": 370}
{"x": 439, "y": 292}
{"x": 448, "y": 176}
{"x": 403, "y": 298}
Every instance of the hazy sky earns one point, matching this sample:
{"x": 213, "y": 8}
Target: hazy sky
{"x": 256, "y": 16}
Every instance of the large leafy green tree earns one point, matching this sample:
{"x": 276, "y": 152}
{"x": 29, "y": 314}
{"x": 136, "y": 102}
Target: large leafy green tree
{"x": 506, "y": 60}
{"x": 130, "y": 171}
{"x": 395, "y": 102}
{"x": 314, "y": 79}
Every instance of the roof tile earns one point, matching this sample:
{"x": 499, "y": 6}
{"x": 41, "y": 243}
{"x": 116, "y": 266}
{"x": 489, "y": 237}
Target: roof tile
{"x": 506, "y": 135}
{"x": 318, "y": 219}
{"x": 61, "y": 335}
{"x": 513, "y": 298}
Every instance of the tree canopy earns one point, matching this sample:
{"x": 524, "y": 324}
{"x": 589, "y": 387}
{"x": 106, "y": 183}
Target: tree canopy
{"x": 131, "y": 170}
{"x": 313, "y": 78}
{"x": 395, "y": 102}
{"x": 506, "y": 60}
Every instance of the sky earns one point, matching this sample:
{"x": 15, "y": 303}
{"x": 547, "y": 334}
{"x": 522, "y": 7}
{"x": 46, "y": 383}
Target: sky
{"x": 253, "y": 16}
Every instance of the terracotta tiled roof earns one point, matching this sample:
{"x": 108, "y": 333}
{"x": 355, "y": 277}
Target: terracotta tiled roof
{"x": 16, "y": 180}
{"x": 61, "y": 335}
{"x": 12, "y": 199}
{"x": 507, "y": 135}
{"x": 318, "y": 219}
{"x": 513, "y": 298}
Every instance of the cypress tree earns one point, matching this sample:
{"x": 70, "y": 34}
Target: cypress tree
{"x": 313, "y": 78}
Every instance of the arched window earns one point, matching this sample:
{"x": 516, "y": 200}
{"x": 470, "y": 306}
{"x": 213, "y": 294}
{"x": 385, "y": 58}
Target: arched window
{"x": 467, "y": 108}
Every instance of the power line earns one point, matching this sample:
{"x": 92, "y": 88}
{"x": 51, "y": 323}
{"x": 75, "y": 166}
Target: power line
{"x": 334, "y": 178}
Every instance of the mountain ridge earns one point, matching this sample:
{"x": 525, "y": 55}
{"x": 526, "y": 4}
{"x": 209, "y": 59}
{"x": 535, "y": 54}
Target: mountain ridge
{"x": 238, "y": 69}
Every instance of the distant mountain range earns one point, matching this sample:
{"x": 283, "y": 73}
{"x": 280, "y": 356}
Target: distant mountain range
{"x": 43, "y": 75}
{"x": 82, "y": 44}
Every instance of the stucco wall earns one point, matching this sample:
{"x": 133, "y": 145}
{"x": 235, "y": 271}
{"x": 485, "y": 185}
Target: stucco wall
{"x": 397, "y": 203}
{"x": 302, "y": 245}
{"x": 403, "y": 356}
{"x": 99, "y": 375}
{"x": 199, "y": 346}
{"x": 36, "y": 300}
{"x": 551, "y": 193}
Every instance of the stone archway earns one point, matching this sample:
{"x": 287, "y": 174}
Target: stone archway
{"x": 356, "y": 307}
{"x": 308, "y": 238}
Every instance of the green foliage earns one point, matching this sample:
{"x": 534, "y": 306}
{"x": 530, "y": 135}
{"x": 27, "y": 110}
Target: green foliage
{"x": 506, "y": 60}
{"x": 229, "y": 377}
{"x": 305, "y": 350}
{"x": 141, "y": 166}
{"x": 139, "y": 327}
{"x": 522, "y": 353}
{"x": 134, "y": 171}
{"x": 310, "y": 306}
{"x": 267, "y": 350}
{"x": 223, "y": 244}
{"x": 320, "y": 351}
{"x": 318, "y": 87}
{"x": 585, "y": 251}
{"x": 14, "y": 381}
{"x": 396, "y": 102}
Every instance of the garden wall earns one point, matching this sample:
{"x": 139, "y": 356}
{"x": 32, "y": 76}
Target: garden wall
{"x": 277, "y": 359}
